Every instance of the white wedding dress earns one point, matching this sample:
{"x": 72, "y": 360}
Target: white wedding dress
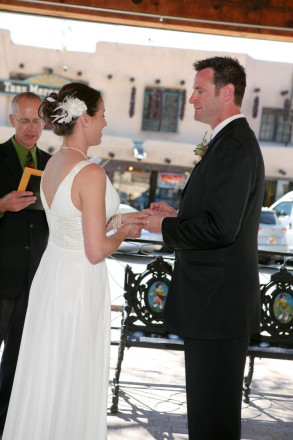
{"x": 61, "y": 384}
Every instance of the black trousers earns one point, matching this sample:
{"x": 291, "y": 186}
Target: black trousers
{"x": 214, "y": 383}
{"x": 12, "y": 317}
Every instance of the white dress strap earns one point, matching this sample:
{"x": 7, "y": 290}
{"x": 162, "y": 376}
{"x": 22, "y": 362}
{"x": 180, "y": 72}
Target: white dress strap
{"x": 79, "y": 166}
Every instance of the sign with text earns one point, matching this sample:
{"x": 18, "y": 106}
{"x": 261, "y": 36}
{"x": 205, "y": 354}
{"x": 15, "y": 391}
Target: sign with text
{"x": 42, "y": 84}
{"x": 171, "y": 179}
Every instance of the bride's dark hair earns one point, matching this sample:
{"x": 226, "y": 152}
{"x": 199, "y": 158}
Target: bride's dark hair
{"x": 88, "y": 95}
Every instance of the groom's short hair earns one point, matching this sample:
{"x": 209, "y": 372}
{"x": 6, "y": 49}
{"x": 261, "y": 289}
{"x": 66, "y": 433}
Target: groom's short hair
{"x": 227, "y": 70}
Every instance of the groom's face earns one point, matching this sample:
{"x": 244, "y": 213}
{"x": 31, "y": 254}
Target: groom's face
{"x": 206, "y": 101}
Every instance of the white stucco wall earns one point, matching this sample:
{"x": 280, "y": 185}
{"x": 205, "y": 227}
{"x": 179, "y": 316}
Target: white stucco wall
{"x": 146, "y": 64}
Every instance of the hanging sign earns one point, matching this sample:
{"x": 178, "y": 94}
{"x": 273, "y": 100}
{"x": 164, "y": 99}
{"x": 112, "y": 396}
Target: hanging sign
{"x": 42, "y": 84}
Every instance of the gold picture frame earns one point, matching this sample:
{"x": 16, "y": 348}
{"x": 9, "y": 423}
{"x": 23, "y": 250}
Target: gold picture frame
{"x": 31, "y": 181}
{"x": 26, "y": 175}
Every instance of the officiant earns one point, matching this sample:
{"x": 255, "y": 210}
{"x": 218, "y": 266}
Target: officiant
{"x": 23, "y": 233}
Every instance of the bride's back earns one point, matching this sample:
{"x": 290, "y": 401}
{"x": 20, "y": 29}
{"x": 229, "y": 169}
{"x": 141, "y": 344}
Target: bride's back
{"x": 58, "y": 167}
{"x": 77, "y": 114}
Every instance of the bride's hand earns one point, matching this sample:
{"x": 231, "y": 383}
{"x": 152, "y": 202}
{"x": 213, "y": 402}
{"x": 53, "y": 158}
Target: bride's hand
{"x": 137, "y": 218}
{"x": 133, "y": 230}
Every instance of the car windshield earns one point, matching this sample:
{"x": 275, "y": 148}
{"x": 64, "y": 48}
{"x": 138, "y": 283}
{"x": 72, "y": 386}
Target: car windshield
{"x": 283, "y": 209}
{"x": 268, "y": 218}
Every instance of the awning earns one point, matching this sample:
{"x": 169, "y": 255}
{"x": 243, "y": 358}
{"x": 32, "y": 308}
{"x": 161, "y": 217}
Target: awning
{"x": 278, "y": 160}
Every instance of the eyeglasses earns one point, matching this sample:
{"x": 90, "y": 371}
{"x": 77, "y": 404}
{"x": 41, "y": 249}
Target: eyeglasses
{"x": 26, "y": 122}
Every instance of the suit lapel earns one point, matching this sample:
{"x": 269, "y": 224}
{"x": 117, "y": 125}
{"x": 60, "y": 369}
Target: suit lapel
{"x": 11, "y": 161}
{"x": 42, "y": 159}
{"x": 196, "y": 168}
{"x": 210, "y": 146}
{"x": 12, "y": 164}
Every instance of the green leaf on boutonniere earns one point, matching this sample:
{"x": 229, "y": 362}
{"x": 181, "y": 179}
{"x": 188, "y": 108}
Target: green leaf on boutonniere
{"x": 201, "y": 149}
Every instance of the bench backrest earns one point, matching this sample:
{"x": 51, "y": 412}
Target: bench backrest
{"x": 277, "y": 310}
{"x": 145, "y": 296}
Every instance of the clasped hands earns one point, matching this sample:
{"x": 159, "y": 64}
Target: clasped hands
{"x": 157, "y": 212}
{"x": 149, "y": 219}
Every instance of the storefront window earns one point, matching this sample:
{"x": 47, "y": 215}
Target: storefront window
{"x": 140, "y": 188}
{"x": 169, "y": 188}
{"x": 131, "y": 186}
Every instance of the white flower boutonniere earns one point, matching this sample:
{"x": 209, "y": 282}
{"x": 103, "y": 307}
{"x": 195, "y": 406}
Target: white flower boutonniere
{"x": 201, "y": 149}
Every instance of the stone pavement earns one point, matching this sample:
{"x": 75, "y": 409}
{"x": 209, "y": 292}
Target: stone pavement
{"x": 152, "y": 402}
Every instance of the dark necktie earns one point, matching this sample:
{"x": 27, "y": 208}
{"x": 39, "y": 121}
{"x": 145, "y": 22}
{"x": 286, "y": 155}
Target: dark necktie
{"x": 29, "y": 161}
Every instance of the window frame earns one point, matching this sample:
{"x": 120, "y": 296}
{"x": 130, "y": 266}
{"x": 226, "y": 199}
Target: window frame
{"x": 273, "y": 126}
{"x": 161, "y": 121}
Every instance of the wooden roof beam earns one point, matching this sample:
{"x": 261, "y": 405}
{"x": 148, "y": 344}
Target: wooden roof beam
{"x": 264, "y": 19}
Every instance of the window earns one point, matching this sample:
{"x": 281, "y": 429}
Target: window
{"x": 283, "y": 209}
{"x": 133, "y": 187}
{"x": 161, "y": 109}
{"x": 268, "y": 218}
{"x": 272, "y": 126}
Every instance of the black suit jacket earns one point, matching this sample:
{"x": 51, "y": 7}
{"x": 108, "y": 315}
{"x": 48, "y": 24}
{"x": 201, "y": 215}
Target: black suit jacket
{"x": 23, "y": 234}
{"x": 214, "y": 292}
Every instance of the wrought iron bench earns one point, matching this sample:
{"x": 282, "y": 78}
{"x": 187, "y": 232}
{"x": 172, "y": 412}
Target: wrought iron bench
{"x": 143, "y": 325}
{"x": 275, "y": 340}
{"x": 142, "y": 316}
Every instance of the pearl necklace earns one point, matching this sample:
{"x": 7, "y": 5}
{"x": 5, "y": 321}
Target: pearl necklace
{"x": 76, "y": 149}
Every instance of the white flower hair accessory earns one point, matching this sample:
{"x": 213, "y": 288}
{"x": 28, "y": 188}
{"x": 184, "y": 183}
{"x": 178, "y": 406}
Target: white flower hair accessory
{"x": 71, "y": 108}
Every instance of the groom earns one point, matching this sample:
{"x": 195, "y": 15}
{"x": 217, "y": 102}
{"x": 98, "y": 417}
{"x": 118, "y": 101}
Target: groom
{"x": 214, "y": 301}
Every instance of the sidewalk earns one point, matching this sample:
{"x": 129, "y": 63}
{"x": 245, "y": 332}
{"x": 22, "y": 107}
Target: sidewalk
{"x": 152, "y": 403}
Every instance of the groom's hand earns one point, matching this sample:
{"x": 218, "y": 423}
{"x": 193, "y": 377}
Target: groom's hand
{"x": 163, "y": 207}
{"x": 154, "y": 222}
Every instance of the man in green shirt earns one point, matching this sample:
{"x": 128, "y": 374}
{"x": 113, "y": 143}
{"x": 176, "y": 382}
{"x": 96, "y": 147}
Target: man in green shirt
{"x": 23, "y": 233}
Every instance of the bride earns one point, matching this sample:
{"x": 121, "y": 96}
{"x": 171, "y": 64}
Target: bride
{"x": 61, "y": 383}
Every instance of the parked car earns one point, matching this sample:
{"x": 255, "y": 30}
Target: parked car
{"x": 139, "y": 247}
{"x": 272, "y": 235}
{"x": 284, "y": 211}
{"x": 168, "y": 195}
{"x": 284, "y": 208}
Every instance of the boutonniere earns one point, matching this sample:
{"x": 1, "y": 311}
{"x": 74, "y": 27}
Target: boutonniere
{"x": 201, "y": 149}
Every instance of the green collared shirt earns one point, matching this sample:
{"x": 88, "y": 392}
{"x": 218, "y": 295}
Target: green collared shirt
{"x": 22, "y": 153}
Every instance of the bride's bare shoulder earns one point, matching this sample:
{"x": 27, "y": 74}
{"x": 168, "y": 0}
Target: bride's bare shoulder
{"x": 91, "y": 175}
{"x": 93, "y": 170}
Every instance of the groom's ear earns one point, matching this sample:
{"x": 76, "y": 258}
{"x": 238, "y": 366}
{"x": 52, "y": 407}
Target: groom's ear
{"x": 228, "y": 92}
